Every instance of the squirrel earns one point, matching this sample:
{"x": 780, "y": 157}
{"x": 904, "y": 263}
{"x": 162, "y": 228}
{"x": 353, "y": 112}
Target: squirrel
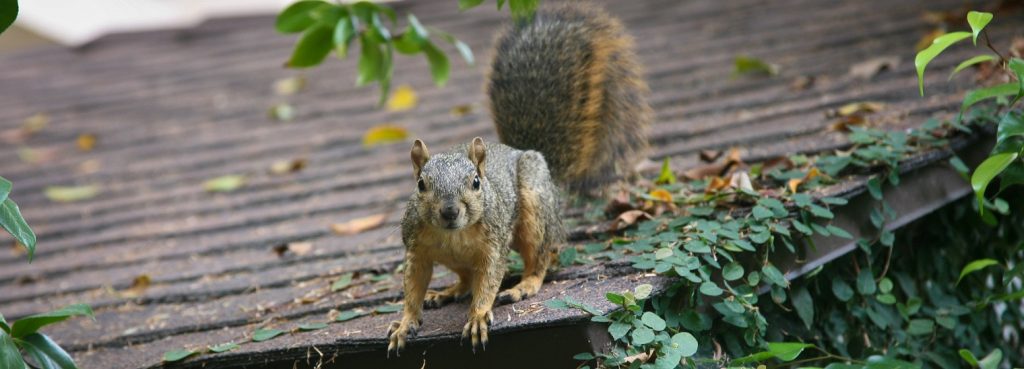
{"x": 566, "y": 94}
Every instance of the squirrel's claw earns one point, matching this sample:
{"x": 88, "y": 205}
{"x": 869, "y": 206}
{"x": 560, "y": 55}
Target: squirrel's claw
{"x": 397, "y": 334}
{"x": 476, "y": 329}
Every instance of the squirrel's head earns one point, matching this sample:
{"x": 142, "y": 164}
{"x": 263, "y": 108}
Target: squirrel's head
{"x": 450, "y": 186}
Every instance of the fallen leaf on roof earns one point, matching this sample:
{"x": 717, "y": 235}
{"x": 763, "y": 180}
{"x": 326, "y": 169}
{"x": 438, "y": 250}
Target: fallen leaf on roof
{"x": 871, "y": 67}
{"x": 741, "y": 180}
{"x": 628, "y": 218}
{"x": 224, "y": 347}
{"x": 618, "y": 204}
{"x": 71, "y": 193}
{"x": 86, "y": 141}
{"x": 281, "y": 167}
{"x": 35, "y": 123}
{"x": 343, "y": 282}
{"x": 89, "y": 166}
{"x": 710, "y": 155}
{"x": 384, "y": 134}
{"x": 843, "y": 124}
{"x": 859, "y": 108}
{"x": 283, "y": 112}
{"x": 716, "y": 184}
{"x": 293, "y": 248}
{"x": 404, "y": 98}
{"x": 264, "y": 334}
{"x": 794, "y": 183}
{"x": 37, "y": 156}
{"x": 745, "y": 65}
{"x": 461, "y": 110}
{"x": 139, "y": 285}
{"x": 289, "y": 86}
{"x": 801, "y": 83}
{"x": 358, "y": 225}
{"x": 226, "y": 183}
{"x": 928, "y": 38}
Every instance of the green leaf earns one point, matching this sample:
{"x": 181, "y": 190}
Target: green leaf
{"x": 642, "y": 291}
{"x": 919, "y": 327}
{"x": 842, "y": 290}
{"x": 618, "y": 329}
{"x": 5, "y": 187}
{"x": 653, "y": 320}
{"x": 972, "y": 61}
{"x": 642, "y": 336}
{"x": 12, "y": 221}
{"x": 710, "y": 289}
{"x": 370, "y": 61}
{"x": 439, "y": 67}
{"x": 938, "y": 45}
{"x": 761, "y": 212}
{"x": 313, "y": 47}
{"x": 974, "y": 96}
{"x": 464, "y": 50}
{"x": 787, "y": 351}
{"x": 349, "y": 315}
{"x": 312, "y": 326}
{"x": 344, "y": 32}
{"x": 978, "y": 21}
{"x": 1017, "y": 66}
{"x": 969, "y": 358}
{"x": 226, "y": 183}
{"x": 30, "y": 324}
{"x": 866, "y": 282}
{"x": 224, "y": 347}
{"x": 838, "y": 232}
{"x": 986, "y": 172}
{"x": 298, "y": 16}
{"x": 522, "y": 9}
{"x": 804, "y": 305}
{"x": 992, "y": 360}
{"x": 8, "y": 13}
{"x": 264, "y": 334}
{"x": 47, "y": 354}
{"x": 732, "y": 271}
{"x": 583, "y": 356}
{"x": 10, "y": 357}
{"x": 975, "y": 266}
{"x": 388, "y": 308}
{"x": 469, "y": 4}
{"x": 686, "y": 343}
{"x": 3, "y": 325}
{"x": 1011, "y": 125}
{"x": 71, "y": 193}
{"x": 748, "y": 65}
{"x": 666, "y": 176}
{"x": 177, "y": 355}
{"x": 773, "y": 275}
{"x": 342, "y": 283}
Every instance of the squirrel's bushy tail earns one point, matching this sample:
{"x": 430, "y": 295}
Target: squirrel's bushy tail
{"x": 566, "y": 83}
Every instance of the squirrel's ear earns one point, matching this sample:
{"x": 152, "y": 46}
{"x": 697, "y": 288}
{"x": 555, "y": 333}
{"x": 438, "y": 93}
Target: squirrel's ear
{"x": 477, "y": 154}
{"x": 419, "y": 154}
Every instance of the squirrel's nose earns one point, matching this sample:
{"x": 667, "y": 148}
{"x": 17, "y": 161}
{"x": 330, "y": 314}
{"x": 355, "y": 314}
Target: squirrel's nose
{"x": 450, "y": 212}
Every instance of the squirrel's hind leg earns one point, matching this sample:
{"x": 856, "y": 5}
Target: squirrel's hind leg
{"x": 538, "y": 227}
{"x": 457, "y": 291}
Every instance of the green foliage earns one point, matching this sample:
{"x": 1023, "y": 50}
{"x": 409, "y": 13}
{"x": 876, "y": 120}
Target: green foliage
{"x": 978, "y": 20}
{"x": 12, "y": 221}
{"x": 975, "y": 266}
{"x": 326, "y": 26}
{"x": 23, "y": 334}
{"x": 8, "y": 13}
{"x": 938, "y": 45}
{"x": 520, "y": 8}
{"x": 971, "y": 62}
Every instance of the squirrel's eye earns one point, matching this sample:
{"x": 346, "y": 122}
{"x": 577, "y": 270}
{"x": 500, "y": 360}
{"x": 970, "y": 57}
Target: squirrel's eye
{"x": 421, "y": 185}
{"x": 476, "y": 183}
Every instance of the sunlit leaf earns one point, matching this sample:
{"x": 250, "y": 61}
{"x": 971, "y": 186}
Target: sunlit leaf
{"x": 86, "y": 141}
{"x": 384, "y": 134}
{"x": 71, "y": 193}
{"x": 978, "y": 21}
{"x": 747, "y": 65}
{"x": 992, "y": 360}
{"x": 312, "y": 47}
{"x": 972, "y": 61}
{"x": 469, "y": 4}
{"x": 298, "y": 16}
{"x": 30, "y": 324}
{"x": 666, "y": 176}
{"x": 225, "y": 183}
{"x": 974, "y": 96}
{"x": 986, "y": 172}
{"x": 289, "y": 86}
{"x": 925, "y": 56}
{"x": 402, "y": 99}
{"x": 344, "y": 32}
{"x": 975, "y": 266}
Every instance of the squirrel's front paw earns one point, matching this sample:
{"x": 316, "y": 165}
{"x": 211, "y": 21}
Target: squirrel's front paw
{"x": 398, "y": 332}
{"x": 477, "y": 328}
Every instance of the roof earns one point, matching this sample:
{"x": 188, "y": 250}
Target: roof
{"x": 172, "y": 109}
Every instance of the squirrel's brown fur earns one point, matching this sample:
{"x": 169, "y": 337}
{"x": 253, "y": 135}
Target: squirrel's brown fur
{"x": 565, "y": 84}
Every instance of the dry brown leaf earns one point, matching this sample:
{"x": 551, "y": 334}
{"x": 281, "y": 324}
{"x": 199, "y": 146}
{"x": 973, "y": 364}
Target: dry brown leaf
{"x": 461, "y": 110}
{"x": 863, "y": 107}
{"x": 710, "y": 156}
{"x": 628, "y": 218}
{"x": 359, "y": 225}
{"x": 741, "y": 180}
{"x": 794, "y": 184}
{"x": 871, "y": 67}
{"x": 35, "y": 123}
{"x": 705, "y": 171}
{"x": 139, "y": 285}
{"x": 661, "y": 194}
{"x": 843, "y": 124}
{"x": 37, "y": 156}
{"x": 801, "y": 83}
{"x": 281, "y": 167}
{"x": 643, "y": 357}
{"x": 619, "y": 204}
{"x": 734, "y": 156}
{"x": 717, "y": 184}
{"x": 293, "y": 248}
{"x": 86, "y": 141}
{"x": 89, "y": 166}
{"x": 927, "y": 39}
{"x": 289, "y": 86}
